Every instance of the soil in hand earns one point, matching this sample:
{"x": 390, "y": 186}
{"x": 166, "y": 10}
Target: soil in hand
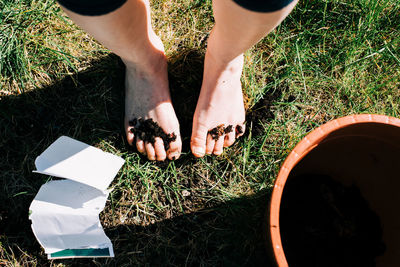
{"x": 324, "y": 223}
{"x": 148, "y": 130}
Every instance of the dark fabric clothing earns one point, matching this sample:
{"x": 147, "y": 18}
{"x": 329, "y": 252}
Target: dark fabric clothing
{"x": 102, "y": 7}
{"x": 263, "y": 5}
{"x": 92, "y": 7}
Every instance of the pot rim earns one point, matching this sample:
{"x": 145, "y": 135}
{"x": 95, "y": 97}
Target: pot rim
{"x": 309, "y": 142}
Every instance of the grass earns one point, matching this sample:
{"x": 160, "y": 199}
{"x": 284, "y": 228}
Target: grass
{"x": 328, "y": 59}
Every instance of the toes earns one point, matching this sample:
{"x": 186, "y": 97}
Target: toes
{"x": 240, "y": 129}
{"x": 175, "y": 147}
{"x": 229, "y": 139}
{"x": 219, "y": 145}
{"x": 159, "y": 149}
{"x": 140, "y": 146}
{"x": 213, "y": 146}
{"x": 151, "y": 154}
{"x": 141, "y": 129}
{"x": 210, "y": 145}
{"x": 129, "y": 136}
{"x": 198, "y": 141}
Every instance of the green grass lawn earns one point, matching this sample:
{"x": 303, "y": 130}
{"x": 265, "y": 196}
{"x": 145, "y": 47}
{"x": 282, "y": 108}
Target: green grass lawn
{"x": 328, "y": 59}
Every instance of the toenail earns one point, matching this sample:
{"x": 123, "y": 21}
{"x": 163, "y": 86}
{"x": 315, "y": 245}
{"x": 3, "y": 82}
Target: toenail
{"x": 199, "y": 151}
{"x": 173, "y": 156}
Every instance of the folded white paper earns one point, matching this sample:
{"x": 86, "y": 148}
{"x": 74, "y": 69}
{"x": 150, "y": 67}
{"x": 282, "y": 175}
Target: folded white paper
{"x": 74, "y": 160}
{"x": 65, "y": 213}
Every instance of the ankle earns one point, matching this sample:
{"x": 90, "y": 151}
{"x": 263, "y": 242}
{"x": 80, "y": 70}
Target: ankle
{"x": 151, "y": 64}
{"x": 222, "y": 52}
{"x": 149, "y": 56}
{"x": 219, "y": 64}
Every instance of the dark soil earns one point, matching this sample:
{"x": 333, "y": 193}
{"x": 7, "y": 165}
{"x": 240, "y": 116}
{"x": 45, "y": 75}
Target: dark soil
{"x": 228, "y": 129}
{"x": 239, "y": 130}
{"x": 220, "y": 130}
{"x": 324, "y": 223}
{"x": 148, "y": 130}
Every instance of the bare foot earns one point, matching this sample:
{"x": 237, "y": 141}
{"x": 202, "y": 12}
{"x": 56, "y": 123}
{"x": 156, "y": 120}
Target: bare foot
{"x": 220, "y": 105}
{"x": 147, "y": 96}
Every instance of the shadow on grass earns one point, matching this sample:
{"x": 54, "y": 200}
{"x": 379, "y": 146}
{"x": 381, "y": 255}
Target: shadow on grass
{"x": 89, "y": 107}
{"x": 231, "y": 234}
{"x": 185, "y": 73}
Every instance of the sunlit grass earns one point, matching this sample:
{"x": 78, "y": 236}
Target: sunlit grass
{"x": 328, "y": 59}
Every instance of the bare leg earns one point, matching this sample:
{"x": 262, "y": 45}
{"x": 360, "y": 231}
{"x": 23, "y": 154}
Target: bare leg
{"x": 128, "y": 33}
{"x": 221, "y": 100}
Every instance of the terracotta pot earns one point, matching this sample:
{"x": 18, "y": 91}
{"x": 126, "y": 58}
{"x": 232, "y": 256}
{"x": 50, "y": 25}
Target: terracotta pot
{"x": 359, "y": 149}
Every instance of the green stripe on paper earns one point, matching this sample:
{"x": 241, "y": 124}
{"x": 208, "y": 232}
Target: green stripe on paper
{"x": 87, "y": 252}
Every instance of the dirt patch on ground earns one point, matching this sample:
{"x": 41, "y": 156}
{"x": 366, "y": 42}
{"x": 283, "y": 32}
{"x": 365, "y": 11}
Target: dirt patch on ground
{"x": 148, "y": 130}
{"x": 324, "y": 223}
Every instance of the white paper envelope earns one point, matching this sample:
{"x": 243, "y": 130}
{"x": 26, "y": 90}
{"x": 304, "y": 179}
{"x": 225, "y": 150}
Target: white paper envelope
{"x": 65, "y": 231}
{"x": 65, "y": 213}
{"x": 75, "y": 160}
{"x": 66, "y": 196}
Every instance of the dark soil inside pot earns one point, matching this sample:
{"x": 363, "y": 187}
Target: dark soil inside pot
{"x": 148, "y": 130}
{"x": 324, "y": 223}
